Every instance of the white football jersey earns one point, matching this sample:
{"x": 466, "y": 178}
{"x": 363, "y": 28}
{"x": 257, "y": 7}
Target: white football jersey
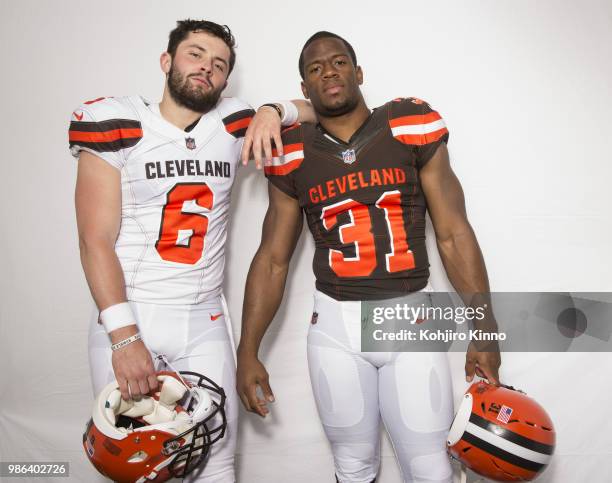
{"x": 175, "y": 188}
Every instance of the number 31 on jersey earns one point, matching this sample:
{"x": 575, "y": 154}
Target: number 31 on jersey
{"x": 359, "y": 232}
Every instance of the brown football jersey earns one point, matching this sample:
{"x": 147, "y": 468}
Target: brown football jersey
{"x": 363, "y": 199}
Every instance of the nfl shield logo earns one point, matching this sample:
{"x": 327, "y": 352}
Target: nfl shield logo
{"x": 190, "y": 143}
{"x": 348, "y": 156}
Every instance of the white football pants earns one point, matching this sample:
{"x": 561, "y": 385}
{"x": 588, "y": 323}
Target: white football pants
{"x": 411, "y": 391}
{"x": 191, "y": 341}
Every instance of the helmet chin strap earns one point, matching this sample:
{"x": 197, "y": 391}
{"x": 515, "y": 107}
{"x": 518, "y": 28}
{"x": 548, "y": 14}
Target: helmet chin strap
{"x": 164, "y": 359}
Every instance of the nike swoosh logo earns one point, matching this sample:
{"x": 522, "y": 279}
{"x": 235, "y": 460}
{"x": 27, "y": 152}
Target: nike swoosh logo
{"x": 78, "y": 116}
{"x": 215, "y": 317}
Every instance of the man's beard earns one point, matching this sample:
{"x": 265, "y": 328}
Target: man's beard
{"x": 190, "y": 97}
{"x": 349, "y": 104}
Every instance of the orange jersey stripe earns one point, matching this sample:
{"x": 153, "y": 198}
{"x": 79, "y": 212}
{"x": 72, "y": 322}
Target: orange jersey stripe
{"x": 239, "y": 124}
{"x": 289, "y": 148}
{"x": 106, "y": 136}
{"x": 283, "y": 169}
{"x": 95, "y": 100}
{"x": 421, "y": 139}
{"x": 289, "y": 128}
{"x": 416, "y": 119}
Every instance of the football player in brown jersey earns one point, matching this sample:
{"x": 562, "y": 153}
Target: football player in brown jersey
{"x": 364, "y": 179}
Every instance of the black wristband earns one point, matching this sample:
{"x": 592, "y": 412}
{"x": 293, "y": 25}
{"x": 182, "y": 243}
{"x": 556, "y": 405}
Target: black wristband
{"x": 275, "y": 106}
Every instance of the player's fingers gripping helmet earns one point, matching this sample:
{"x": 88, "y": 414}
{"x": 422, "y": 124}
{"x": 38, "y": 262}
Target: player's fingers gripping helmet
{"x": 501, "y": 433}
{"x": 164, "y": 435}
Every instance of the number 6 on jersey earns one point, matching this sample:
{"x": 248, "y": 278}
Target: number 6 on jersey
{"x": 184, "y": 223}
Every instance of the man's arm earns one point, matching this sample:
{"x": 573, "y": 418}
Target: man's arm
{"x": 263, "y": 294}
{"x": 98, "y": 210}
{"x": 460, "y": 253}
{"x": 266, "y": 126}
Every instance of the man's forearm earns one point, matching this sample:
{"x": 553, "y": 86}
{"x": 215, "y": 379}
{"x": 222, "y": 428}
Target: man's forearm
{"x": 296, "y": 110}
{"x": 463, "y": 262}
{"x": 263, "y": 295}
{"x": 466, "y": 270}
{"x": 103, "y": 273}
{"x": 105, "y": 279}
{"x": 306, "y": 112}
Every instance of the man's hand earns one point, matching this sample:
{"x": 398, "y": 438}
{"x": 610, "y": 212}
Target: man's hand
{"x": 133, "y": 365}
{"x": 483, "y": 364}
{"x": 251, "y": 373}
{"x": 265, "y": 126}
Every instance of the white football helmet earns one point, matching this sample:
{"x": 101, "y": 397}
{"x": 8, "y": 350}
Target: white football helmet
{"x": 163, "y": 435}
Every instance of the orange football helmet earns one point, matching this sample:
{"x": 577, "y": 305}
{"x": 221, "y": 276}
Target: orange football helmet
{"x": 501, "y": 433}
{"x": 161, "y": 436}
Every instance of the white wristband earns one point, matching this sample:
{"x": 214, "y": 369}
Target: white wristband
{"x": 290, "y": 113}
{"x": 117, "y": 316}
{"x": 125, "y": 342}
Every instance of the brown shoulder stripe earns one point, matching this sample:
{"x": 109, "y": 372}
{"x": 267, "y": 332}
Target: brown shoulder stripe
{"x": 237, "y": 123}
{"x": 105, "y": 136}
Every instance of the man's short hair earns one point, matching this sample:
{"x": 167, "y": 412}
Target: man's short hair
{"x": 322, "y": 35}
{"x": 185, "y": 27}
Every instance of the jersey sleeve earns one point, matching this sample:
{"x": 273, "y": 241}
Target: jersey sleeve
{"x": 280, "y": 171}
{"x": 413, "y": 122}
{"x": 236, "y": 116}
{"x": 104, "y": 127}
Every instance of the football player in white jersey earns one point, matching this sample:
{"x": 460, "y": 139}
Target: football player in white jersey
{"x": 152, "y": 202}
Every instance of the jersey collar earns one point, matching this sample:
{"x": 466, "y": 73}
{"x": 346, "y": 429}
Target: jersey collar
{"x": 355, "y": 135}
